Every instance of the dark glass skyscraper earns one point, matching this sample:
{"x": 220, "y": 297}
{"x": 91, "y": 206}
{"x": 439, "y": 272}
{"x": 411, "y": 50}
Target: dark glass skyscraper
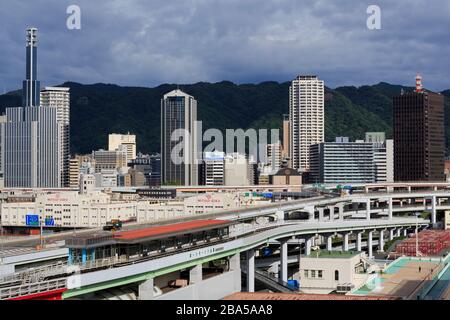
{"x": 419, "y": 138}
{"x": 31, "y": 87}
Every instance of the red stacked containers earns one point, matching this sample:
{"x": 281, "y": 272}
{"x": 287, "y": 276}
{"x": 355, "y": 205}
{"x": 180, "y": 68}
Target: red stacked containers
{"x": 430, "y": 242}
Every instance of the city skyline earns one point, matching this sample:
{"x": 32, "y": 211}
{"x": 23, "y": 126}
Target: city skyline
{"x": 134, "y": 43}
{"x": 218, "y": 191}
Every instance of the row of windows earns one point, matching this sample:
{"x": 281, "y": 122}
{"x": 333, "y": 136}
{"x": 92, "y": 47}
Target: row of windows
{"x": 318, "y": 274}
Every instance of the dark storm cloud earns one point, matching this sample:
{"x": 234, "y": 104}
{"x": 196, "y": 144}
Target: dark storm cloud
{"x": 148, "y": 42}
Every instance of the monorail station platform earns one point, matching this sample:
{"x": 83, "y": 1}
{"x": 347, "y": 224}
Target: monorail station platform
{"x": 134, "y": 245}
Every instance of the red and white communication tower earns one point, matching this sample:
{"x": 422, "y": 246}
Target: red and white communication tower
{"x": 419, "y": 88}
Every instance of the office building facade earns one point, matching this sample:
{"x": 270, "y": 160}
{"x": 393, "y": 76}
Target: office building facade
{"x": 419, "y": 137}
{"x": 32, "y": 148}
{"x": 179, "y": 146}
{"x": 109, "y": 160}
{"x": 214, "y": 168}
{"x": 383, "y": 156}
{"x": 342, "y": 162}
{"x": 127, "y": 141}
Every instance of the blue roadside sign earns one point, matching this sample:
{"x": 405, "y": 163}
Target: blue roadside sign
{"x": 49, "y": 221}
{"x": 32, "y": 220}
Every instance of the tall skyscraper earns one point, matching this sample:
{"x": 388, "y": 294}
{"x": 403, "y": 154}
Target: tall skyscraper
{"x": 419, "y": 139}
{"x": 179, "y": 147}
{"x": 59, "y": 98}
{"x": 34, "y": 145}
{"x": 306, "y": 117}
{"x": 31, "y": 87}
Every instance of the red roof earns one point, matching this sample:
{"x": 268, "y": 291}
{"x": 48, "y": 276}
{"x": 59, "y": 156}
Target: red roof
{"x": 169, "y": 229}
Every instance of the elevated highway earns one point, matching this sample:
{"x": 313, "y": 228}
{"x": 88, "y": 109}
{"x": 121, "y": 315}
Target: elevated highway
{"x": 376, "y": 214}
{"x": 242, "y": 241}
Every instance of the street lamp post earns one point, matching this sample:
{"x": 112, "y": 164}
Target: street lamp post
{"x": 417, "y": 234}
{"x": 41, "y": 236}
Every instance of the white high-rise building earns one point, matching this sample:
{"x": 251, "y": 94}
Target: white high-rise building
{"x": 59, "y": 98}
{"x": 306, "y": 115}
{"x": 274, "y": 154}
{"x": 128, "y": 141}
{"x": 214, "y": 168}
{"x": 383, "y": 156}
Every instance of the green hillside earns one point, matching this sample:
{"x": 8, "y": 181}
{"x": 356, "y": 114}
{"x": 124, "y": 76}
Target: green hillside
{"x": 100, "y": 109}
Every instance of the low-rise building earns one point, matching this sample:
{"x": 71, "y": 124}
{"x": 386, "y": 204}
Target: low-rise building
{"x": 287, "y": 176}
{"x": 66, "y": 210}
{"x": 325, "y": 271}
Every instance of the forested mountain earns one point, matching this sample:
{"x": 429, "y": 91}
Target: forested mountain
{"x": 100, "y": 109}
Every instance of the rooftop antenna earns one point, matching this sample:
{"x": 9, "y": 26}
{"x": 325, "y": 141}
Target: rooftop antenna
{"x": 419, "y": 88}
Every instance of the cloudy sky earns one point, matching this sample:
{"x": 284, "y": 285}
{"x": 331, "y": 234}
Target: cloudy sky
{"x": 149, "y": 42}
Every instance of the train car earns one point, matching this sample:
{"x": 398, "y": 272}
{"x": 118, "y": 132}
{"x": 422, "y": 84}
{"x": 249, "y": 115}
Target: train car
{"x": 138, "y": 244}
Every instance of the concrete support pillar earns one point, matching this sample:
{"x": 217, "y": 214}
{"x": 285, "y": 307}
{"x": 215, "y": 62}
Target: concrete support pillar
{"x": 391, "y": 234}
{"x": 399, "y": 230}
{"x": 359, "y": 241}
{"x": 251, "y": 270}
{"x": 308, "y": 245}
{"x": 196, "y": 274}
{"x": 235, "y": 262}
{"x": 390, "y": 210}
{"x": 284, "y": 260}
{"x": 330, "y": 243}
{"x": 341, "y": 212}
{"x": 320, "y": 214}
{"x": 235, "y": 265}
{"x": 368, "y": 209}
{"x": 370, "y": 245}
{"x": 405, "y": 232}
{"x": 381, "y": 241}
{"x": 146, "y": 290}
{"x": 331, "y": 208}
{"x": 433, "y": 210}
{"x": 346, "y": 235}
